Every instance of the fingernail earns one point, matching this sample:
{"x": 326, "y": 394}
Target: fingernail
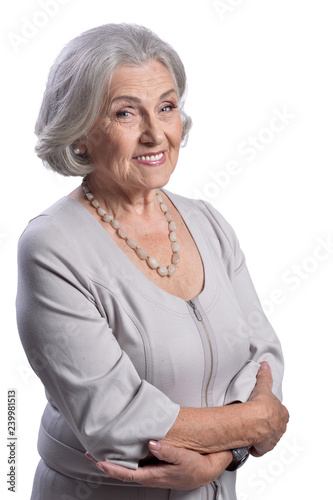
{"x": 264, "y": 365}
{"x": 100, "y": 466}
{"x": 156, "y": 445}
{"x": 90, "y": 457}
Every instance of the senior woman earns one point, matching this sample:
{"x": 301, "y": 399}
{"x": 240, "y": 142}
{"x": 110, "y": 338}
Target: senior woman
{"x": 135, "y": 306}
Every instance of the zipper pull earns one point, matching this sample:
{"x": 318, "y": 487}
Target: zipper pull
{"x": 195, "y": 310}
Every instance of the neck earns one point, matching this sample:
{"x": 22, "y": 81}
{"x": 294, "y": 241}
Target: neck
{"x": 141, "y": 253}
{"x": 122, "y": 201}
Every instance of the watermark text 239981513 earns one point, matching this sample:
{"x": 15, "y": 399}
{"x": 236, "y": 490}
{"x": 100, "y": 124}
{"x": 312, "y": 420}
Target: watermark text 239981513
{"x": 11, "y": 439}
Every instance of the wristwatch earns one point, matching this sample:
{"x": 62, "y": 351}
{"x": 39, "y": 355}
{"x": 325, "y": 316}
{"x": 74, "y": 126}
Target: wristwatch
{"x": 240, "y": 456}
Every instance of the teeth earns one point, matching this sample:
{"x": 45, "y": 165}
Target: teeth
{"x": 150, "y": 158}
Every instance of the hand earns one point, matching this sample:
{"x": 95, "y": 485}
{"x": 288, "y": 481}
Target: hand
{"x": 274, "y": 416}
{"x": 177, "y": 468}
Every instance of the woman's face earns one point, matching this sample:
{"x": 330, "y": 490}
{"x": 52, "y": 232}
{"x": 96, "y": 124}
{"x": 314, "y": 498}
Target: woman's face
{"x": 136, "y": 144}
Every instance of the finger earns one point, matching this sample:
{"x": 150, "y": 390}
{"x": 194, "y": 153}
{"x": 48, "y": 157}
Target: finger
{"x": 90, "y": 457}
{"x": 113, "y": 470}
{"x": 255, "y": 453}
{"x": 264, "y": 377}
{"x": 166, "y": 452}
{"x": 149, "y": 475}
{"x": 264, "y": 366}
{"x": 119, "y": 472}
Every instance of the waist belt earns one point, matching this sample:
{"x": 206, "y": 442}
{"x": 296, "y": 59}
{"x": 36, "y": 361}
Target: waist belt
{"x": 71, "y": 462}
{"x": 75, "y": 464}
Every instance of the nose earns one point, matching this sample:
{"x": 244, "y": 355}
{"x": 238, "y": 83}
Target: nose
{"x": 152, "y": 131}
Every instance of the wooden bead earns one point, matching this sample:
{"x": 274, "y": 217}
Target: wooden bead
{"x": 152, "y": 263}
{"x": 162, "y": 271}
{"x": 131, "y": 243}
{"x": 115, "y": 224}
{"x": 122, "y": 233}
{"x": 175, "y": 258}
{"x": 171, "y": 270}
{"x": 175, "y": 246}
{"x": 142, "y": 254}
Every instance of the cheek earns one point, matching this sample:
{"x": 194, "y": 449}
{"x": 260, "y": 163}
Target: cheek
{"x": 98, "y": 136}
{"x": 121, "y": 138}
{"x": 176, "y": 134}
{"x": 109, "y": 141}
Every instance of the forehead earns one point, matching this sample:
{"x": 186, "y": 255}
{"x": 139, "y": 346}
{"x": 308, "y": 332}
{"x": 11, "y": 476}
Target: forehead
{"x": 144, "y": 81}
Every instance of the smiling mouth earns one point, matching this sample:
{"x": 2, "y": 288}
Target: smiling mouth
{"x": 152, "y": 160}
{"x": 154, "y": 157}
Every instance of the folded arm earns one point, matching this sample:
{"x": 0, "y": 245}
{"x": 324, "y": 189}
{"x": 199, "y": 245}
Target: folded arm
{"x": 93, "y": 383}
{"x": 175, "y": 468}
{"x": 258, "y": 423}
{"x": 194, "y": 451}
{"x": 66, "y": 337}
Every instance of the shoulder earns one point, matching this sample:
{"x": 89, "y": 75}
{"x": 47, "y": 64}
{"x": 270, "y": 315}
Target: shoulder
{"x": 213, "y": 225}
{"x": 189, "y": 207}
{"x": 53, "y": 229}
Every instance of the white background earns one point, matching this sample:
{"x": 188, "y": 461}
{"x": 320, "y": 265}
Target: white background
{"x": 246, "y": 60}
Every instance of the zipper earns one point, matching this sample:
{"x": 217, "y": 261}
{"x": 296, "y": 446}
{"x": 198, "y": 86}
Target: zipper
{"x": 199, "y": 317}
{"x": 202, "y": 323}
{"x": 196, "y": 310}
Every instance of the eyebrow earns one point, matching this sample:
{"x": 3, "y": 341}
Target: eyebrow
{"x": 137, "y": 100}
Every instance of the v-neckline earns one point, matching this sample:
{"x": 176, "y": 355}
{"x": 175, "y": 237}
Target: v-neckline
{"x": 195, "y": 230}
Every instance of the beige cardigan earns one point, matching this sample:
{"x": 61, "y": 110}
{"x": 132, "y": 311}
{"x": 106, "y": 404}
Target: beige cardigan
{"x": 117, "y": 354}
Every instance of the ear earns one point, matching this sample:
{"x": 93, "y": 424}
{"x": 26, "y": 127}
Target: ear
{"x": 79, "y": 148}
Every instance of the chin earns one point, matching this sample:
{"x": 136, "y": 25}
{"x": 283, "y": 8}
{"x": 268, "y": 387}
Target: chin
{"x": 158, "y": 181}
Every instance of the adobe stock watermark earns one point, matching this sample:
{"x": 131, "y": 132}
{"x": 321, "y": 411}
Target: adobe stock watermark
{"x": 3, "y": 237}
{"x": 292, "y": 280}
{"x": 149, "y": 423}
{"x": 65, "y": 338}
{"x": 224, "y": 7}
{"x": 248, "y": 149}
{"x": 83, "y": 490}
{"x": 31, "y": 26}
{"x": 299, "y": 273}
{"x": 265, "y": 476}
{"x": 49, "y": 352}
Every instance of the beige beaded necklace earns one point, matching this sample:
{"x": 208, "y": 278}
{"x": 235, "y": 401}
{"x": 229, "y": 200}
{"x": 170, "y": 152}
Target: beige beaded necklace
{"x": 142, "y": 254}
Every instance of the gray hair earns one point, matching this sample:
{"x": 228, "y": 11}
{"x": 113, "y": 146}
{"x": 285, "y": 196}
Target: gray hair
{"x": 74, "y": 97}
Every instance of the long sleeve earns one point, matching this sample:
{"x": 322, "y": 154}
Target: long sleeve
{"x": 71, "y": 345}
{"x": 264, "y": 343}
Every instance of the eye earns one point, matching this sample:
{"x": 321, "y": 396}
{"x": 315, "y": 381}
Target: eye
{"x": 168, "y": 107}
{"x": 123, "y": 114}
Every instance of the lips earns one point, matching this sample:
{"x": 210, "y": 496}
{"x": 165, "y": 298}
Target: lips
{"x": 152, "y": 158}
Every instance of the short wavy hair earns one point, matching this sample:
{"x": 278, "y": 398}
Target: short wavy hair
{"x": 74, "y": 97}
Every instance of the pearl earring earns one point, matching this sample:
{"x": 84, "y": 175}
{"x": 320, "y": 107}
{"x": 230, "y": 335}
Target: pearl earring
{"x": 77, "y": 151}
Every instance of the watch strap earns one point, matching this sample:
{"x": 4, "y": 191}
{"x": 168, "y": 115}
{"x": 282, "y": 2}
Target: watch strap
{"x": 240, "y": 456}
